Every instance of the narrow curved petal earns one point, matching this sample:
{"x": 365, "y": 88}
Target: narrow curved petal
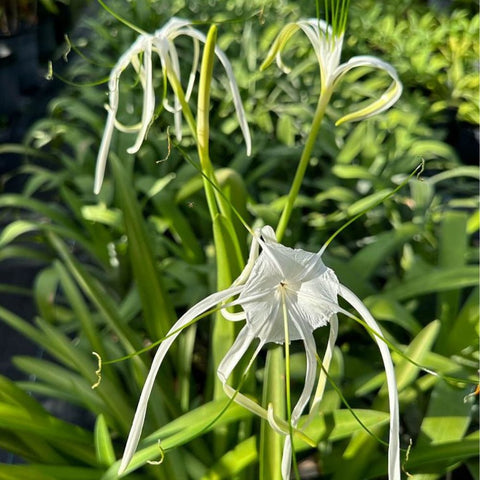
{"x": 175, "y": 66}
{"x": 193, "y": 71}
{"x": 105, "y": 144}
{"x": 139, "y": 418}
{"x": 163, "y": 48}
{"x": 327, "y": 47}
{"x": 148, "y": 99}
{"x": 327, "y": 358}
{"x": 394, "y": 441}
{"x": 233, "y": 317}
{"x": 310, "y": 374}
{"x": 388, "y": 98}
{"x": 252, "y": 256}
{"x": 278, "y": 45}
{"x": 235, "y": 353}
{"x": 237, "y": 100}
{"x": 287, "y": 458}
{"x": 277, "y": 424}
{"x": 113, "y": 87}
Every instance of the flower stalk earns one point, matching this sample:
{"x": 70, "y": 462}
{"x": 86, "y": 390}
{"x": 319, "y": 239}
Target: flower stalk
{"x": 327, "y": 42}
{"x": 303, "y": 163}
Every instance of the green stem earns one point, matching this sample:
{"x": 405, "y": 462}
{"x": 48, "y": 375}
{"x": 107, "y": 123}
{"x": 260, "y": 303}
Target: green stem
{"x": 287, "y": 381}
{"x": 303, "y": 164}
{"x": 203, "y": 123}
{"x": 216, "y": 201}
{"x": 271, "y": 442}
{"x": 186, "y": 110}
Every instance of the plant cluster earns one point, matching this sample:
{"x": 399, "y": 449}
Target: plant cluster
{"x": 117, "y": 269}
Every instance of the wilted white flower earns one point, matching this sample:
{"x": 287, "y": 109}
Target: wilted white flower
{"x": 161, "y": 43}
{"x": 284, "y": 293}
{"x": 327, "y": 45}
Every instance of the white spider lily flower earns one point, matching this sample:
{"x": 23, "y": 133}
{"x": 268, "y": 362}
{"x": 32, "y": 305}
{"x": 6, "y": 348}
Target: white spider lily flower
{"x": 161, "y": 43}
{"x": 328, "y": 48}
{"x": 283, "y": 293}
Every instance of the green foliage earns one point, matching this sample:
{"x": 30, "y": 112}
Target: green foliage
{"x": 116, "y": 270}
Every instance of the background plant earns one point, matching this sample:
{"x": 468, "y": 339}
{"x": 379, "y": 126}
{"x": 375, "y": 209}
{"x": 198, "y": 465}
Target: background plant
{"x": 105, "y": 262}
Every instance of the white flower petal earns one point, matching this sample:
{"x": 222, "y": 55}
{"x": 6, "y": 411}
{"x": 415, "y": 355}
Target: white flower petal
{"x": 105, "y": 145}
{"x": 193, "y": 71}
{"x": 237, "y": 100}
{"x": 175, "y": 66}
{"x": 328, "y": 48}
{"x": 394, "y": 441}
{"x": 388, "y": 98}
{"x": 235, "y": 353}
{"x": 287, "y": 458}
{"x": 327, "y": 358}
{"x": 113, "y": 87}
{"x": 310, "y": 375}
{"x": 139, "y": 418}
{"x": 148, "y": 99}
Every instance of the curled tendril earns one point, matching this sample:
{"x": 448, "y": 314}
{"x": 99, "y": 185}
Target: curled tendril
{"x": 162, "y": 456}
{"x": 98, "y": 371}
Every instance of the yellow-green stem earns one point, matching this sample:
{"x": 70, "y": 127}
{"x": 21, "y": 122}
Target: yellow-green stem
{"x": 303, "y": 164}
{"x": 287, "y": 380}
{"x": 180, "y": 94}
{"x": 203, "y": 124}
{"x": 271, "y": 442}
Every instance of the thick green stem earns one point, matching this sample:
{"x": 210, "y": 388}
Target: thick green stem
{"x": 274, "y": 391}
{"x": 287, "y": 381}
{"x": 203, "y": 120}
{"x": 271, "y": 442}
{"x": 303, "y": 164}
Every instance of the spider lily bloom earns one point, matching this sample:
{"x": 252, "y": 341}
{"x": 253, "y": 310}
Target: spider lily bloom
{"x": 161, "y": 43}
{"x": 327, "y": 45}
{"x": 284, "y": 294}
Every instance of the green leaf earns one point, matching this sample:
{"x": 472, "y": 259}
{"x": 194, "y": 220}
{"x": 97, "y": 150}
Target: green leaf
{"x": 47, "y": 472}
{"x": 271, "y": 442}
{"x": 367, "y": 202}
{"x": 355, "y": 172}
{"x": 19, "y": 419}
{"x": 452, "y": 254}
{"x": 340, "y": 424}
{"x": 25, "y": 472}
{"x": 158, "y": 312}
{"x": 45, "y": 289}
{"x": 15, "y": 229}
{"x": 97, "y": 293}
{"x": 80, "y": 309}
{"x": 447, "y": 417}
{"x": 286, "y": 130}
{"x": 435, "y": 281}
{"x": 182, "y": 430}
{"x": 234, "y": 461}
{"x": 384, "y": 308}
{"x": 103, "y": 444}
{"x": 465, "y": 326}
{"x": 453, "y": 451}
{"x": 365, "y": 262}
{"x": 406, "y": 372}
{"x": 61, "y": 379}
{"x": 101, "y": 214}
